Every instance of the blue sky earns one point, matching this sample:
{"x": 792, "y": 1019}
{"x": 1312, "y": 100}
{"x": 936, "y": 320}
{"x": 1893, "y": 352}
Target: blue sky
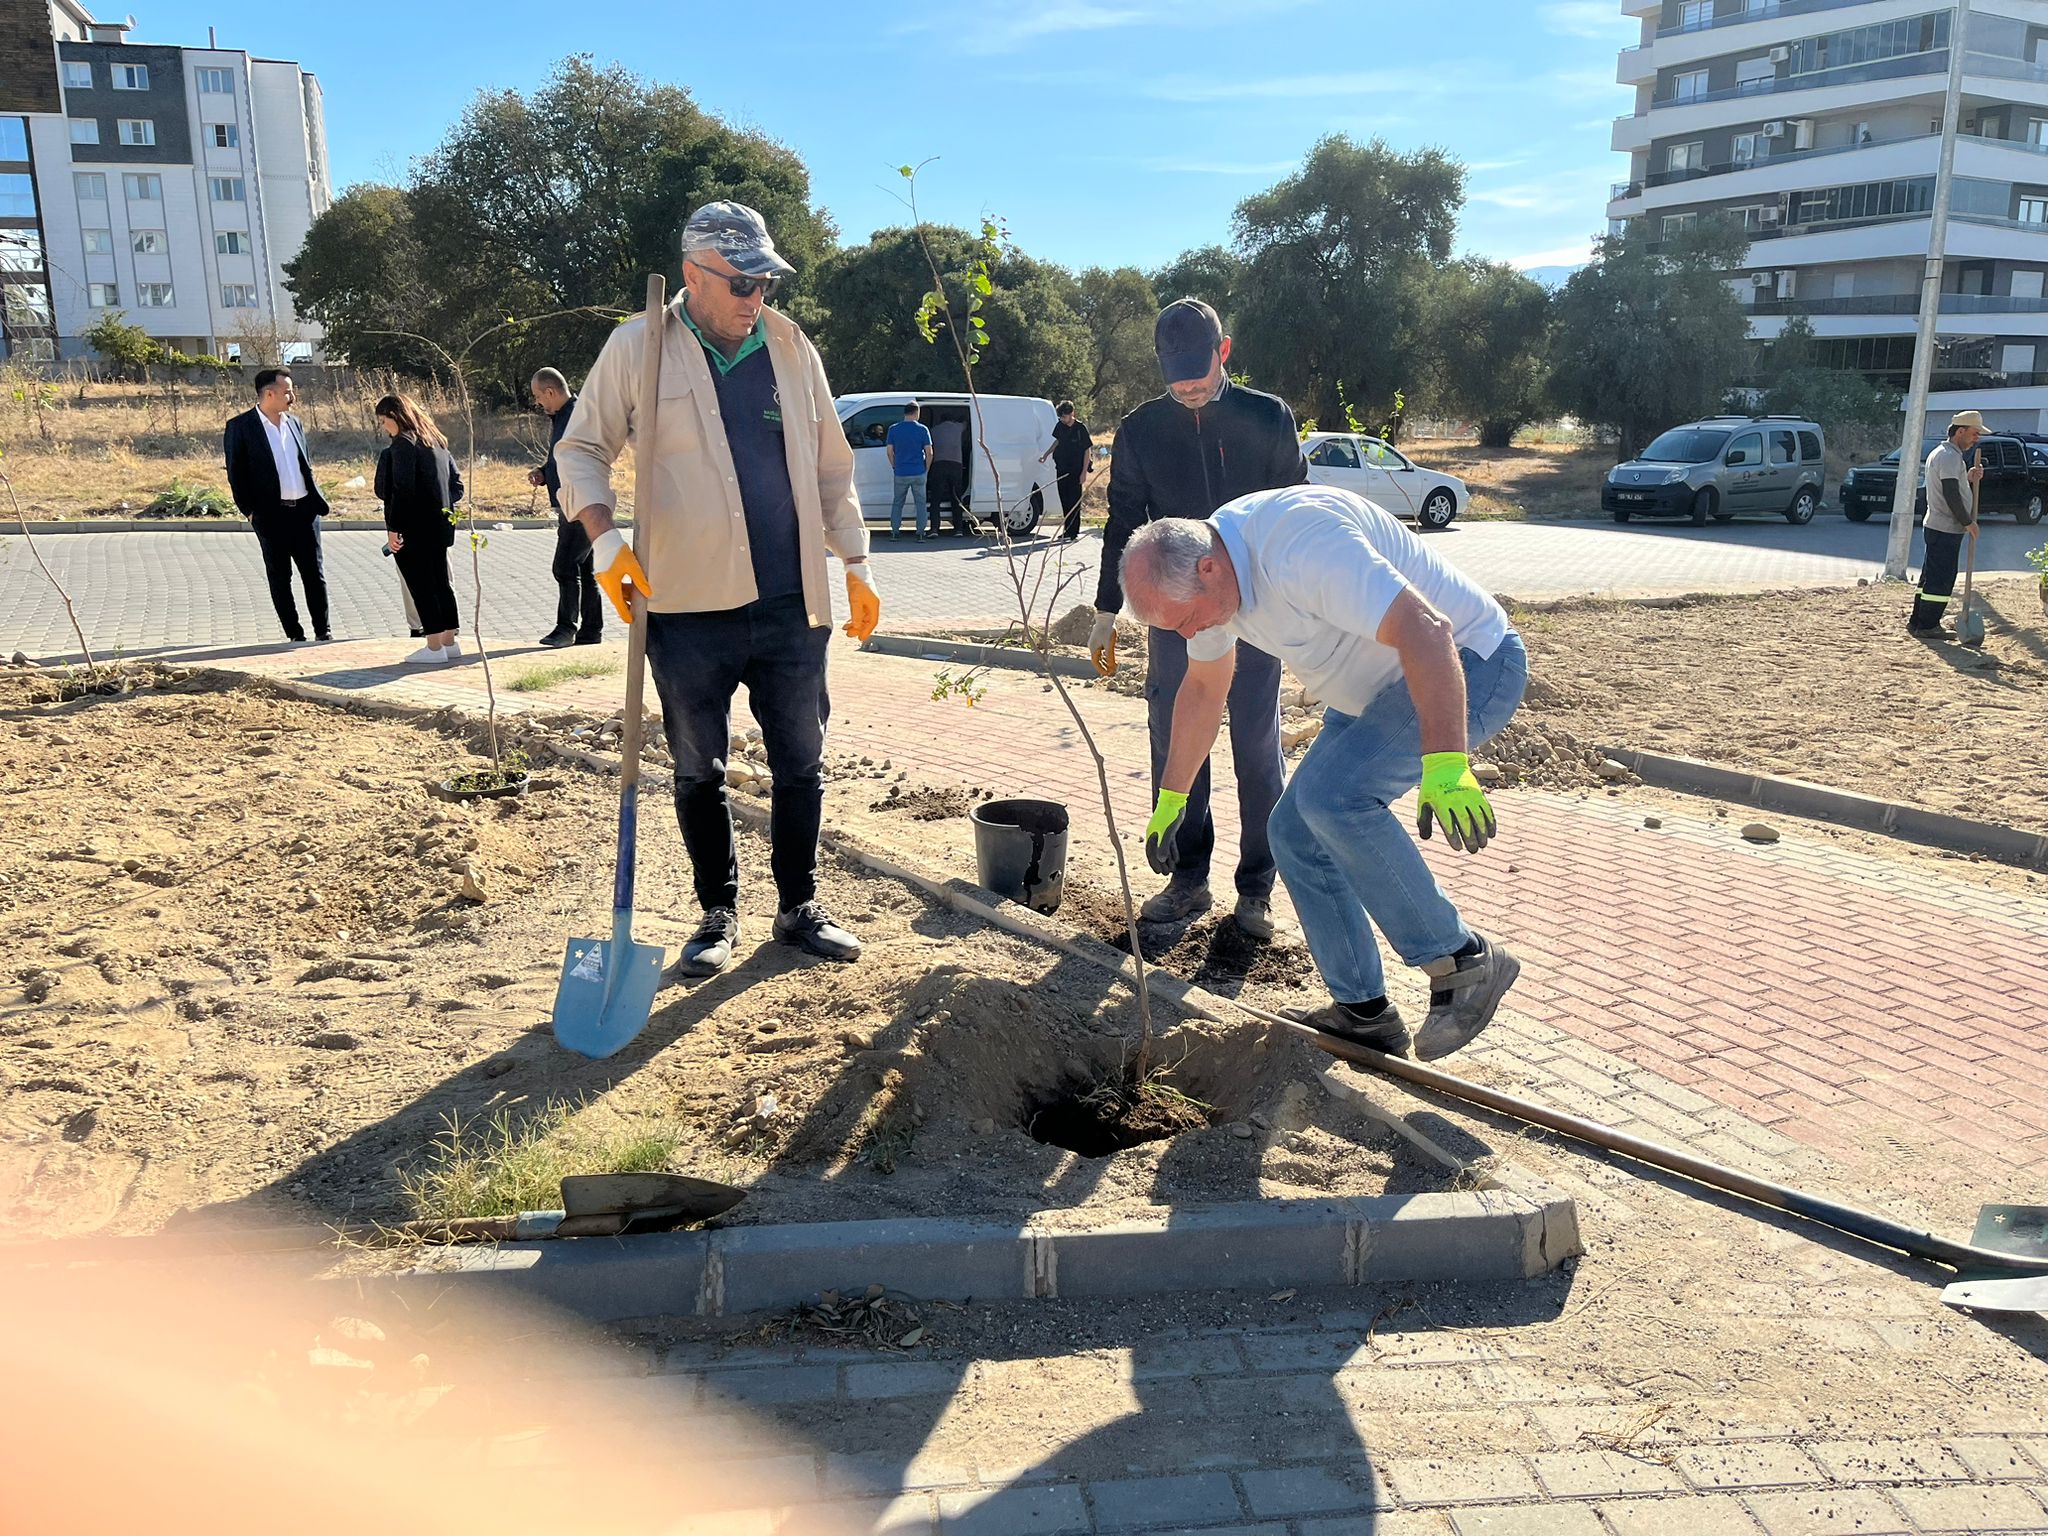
{"x": 1104, "y": 131}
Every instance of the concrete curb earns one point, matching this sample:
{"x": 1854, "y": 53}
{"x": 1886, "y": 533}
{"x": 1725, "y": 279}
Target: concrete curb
{"x": 1817, "y": 802}
{"x": 972, "y": 654}
{"x": 1458, "y": 1235}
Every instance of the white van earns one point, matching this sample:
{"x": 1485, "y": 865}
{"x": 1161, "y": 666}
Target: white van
{"x": 1017, "y": 427}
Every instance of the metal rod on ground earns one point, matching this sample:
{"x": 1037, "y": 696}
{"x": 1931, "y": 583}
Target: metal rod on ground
{"x": 1867, "y": 1225}
{"x": 1899, "y": 542}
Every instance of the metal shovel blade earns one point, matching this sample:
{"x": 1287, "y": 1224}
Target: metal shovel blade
{"x": 606, "y": 993}
{"x": 676, "y": 1195}
{"x": 2021, "y": 1230}
{"x": 1970, "y": 628}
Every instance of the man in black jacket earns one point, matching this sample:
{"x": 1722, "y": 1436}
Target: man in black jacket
{"x": 1184, "y": 454}
{"x": 270, "y": 477}
{"x": 579, "y": 609}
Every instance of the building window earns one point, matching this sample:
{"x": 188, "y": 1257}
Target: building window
{"x": 231, "y": 242}
{"x": 154, "y": 295}
{"x": 218, "y": 82}
{"x": 85, "y": 130}
{"x": 224, "y": 135}
{"x": 1685, "y": 157}
{"x": 1679, "y": 223}
{"x": 14, "y": 138}
{"x": 91, "y": 186}
{"x": 1689, "y": 87}
{"x": 103, "y": 295}
{"x": 98, "y": 242}
{"x": 21, "y": 250}
{"x": 17, "y": 196}
{"x": 78, "y": 74}
{"x": 1867, "y": 45}
{"x": 131, "y": 77}
{"x": 1746, "y": 147}
{"x": 148, "y": 242}
{"x": 2037, "y": 132}
{"x": 138, "y": 130}
{"x": 1695, "y": 14}
{"x": 227, "y": 189}
{"x": 143, "y": 188}
{"x": 2034, "y": 210}
{"x": 237, "y": 295}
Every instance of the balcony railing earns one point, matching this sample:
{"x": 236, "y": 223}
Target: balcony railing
{"x": 1674, "y": 177}
{"x": 1902, "y": 304}
{"x": 1905, "y": 66}
{"x": 1767, "y": 11}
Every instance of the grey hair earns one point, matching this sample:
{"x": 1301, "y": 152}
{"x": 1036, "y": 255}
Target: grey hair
{"x": 550, "y": 378}
{"x": 1163, "y": 560}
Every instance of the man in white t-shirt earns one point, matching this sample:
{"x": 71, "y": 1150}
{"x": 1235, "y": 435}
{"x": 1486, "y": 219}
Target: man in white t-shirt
{"x": 1414, "y": 663}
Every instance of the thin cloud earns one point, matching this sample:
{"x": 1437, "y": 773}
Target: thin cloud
{"x": 1559, "y": 256}
{"x": 1284, "y": 87}
{"x": 1024, "y": 27}
{"x": 1560, "y": 189}
{"x": 1585, "y": 18}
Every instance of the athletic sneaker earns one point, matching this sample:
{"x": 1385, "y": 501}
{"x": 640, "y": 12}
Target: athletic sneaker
{"x": 1464, "y": 993}
{"x": 1383, "y": 1031}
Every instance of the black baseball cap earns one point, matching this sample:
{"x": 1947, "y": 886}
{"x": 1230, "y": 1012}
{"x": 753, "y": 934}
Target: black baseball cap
{"x": 1187, "y": 338}
{"x": 737, "y": 233}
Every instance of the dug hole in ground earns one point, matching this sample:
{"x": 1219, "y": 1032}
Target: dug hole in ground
{"x": 249, "y": 987}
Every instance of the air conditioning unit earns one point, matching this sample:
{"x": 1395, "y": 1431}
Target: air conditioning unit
{"x": 1761, "y": 280}
{"x": 1774, "y": 130}
{"x": 1781, "y": 55}
{"x": 1771, "y": 216}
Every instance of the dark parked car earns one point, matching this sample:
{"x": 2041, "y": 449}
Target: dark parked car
{"x": 2015, "y": 482}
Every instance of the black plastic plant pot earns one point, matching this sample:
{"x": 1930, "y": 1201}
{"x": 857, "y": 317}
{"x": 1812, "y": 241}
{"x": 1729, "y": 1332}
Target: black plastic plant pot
{"x": 1020, "y": 851}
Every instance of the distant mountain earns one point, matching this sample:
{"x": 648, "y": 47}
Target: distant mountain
{"x": 1551, "y": 277}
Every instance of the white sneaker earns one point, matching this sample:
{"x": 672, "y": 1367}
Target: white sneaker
{"x": 427, "y": 655}
{"x": 452, "y": 651}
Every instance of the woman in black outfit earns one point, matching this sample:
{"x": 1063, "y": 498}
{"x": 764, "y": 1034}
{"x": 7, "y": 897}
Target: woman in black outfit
{"x": 419, "y": 485}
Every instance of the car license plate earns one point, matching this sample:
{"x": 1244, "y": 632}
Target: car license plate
{"x": 1631, "y": 496}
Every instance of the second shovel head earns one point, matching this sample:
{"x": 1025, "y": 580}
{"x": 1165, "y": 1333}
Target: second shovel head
{"x": 597, "y": 1013}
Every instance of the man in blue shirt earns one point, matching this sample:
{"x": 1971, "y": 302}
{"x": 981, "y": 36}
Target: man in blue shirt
{"x": 910, "y": 460}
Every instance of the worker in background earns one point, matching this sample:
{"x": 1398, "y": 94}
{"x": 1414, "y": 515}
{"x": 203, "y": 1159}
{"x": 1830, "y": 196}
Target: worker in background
{"x": 1952, "y": 481}
{"x": 1418, "y": 664}
{"x": 1183, "y": 455}
{"x": 755, "y": 484}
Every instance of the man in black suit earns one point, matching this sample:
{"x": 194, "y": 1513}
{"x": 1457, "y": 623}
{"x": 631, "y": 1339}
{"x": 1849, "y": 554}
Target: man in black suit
{"x": 271, "y": 479}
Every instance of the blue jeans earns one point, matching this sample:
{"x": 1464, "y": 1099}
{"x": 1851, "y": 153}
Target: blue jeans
{"x": 912, "y": 486}
{"x": 698, "y": 661}
{"x": 1347, "y": 862}
{"x": 1254, "y": 752}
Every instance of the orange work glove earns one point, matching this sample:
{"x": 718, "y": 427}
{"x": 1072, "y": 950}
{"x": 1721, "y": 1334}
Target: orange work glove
{"x": 615, "y": 564}
{"x": 864, "y": 602}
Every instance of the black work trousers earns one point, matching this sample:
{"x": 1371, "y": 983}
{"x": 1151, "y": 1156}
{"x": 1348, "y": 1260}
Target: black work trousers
{"x": 699, "y": 661}
{"x": 1938, "y": 567}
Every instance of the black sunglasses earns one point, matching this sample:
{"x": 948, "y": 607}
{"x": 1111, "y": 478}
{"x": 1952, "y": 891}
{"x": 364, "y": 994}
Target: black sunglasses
{"x": 742, "y": 287}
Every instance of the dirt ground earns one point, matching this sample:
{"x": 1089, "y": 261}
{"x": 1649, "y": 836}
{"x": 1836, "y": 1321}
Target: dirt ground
{"x": 1532, "y": 480}
{"x": 1822, "y": 686}
{"x": 242, "y": 977}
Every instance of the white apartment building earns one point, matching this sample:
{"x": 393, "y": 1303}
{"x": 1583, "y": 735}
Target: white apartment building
{"x": 1816, "y": 123}
{"x": 173, "y": 186}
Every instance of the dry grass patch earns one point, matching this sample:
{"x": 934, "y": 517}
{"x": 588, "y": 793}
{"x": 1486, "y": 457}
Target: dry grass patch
{"x": 1528, "y": 480}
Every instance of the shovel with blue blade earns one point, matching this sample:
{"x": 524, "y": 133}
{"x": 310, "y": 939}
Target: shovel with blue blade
{"x": 608, "y": 985}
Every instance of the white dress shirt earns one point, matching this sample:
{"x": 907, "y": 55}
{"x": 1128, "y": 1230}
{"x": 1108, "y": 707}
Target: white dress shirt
{"x": 284, "y": 449}
{"x": 1317, "y": 570}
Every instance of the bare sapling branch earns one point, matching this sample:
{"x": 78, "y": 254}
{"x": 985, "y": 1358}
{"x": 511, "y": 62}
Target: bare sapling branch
{"x": 1026, "y": 571}
{"x": 70, "y": 610}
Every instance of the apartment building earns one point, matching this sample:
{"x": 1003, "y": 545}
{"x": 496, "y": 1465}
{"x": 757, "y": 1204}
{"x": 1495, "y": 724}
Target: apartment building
{"x": 169, "y": 183}
{"x": 1816, "y": 124}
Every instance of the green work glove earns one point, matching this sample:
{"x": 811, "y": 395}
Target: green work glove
{"x": 1450, "y": 795}
{"x": 1162, "y": 832}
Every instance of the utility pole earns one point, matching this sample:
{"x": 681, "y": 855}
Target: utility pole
{"x": 1899, "y": 546}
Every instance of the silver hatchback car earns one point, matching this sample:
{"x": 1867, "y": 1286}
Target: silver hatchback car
{"x": 1721, "y": 468}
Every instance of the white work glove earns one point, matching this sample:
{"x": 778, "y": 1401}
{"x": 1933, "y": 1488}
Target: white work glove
{"x": 1102, "y": 643}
